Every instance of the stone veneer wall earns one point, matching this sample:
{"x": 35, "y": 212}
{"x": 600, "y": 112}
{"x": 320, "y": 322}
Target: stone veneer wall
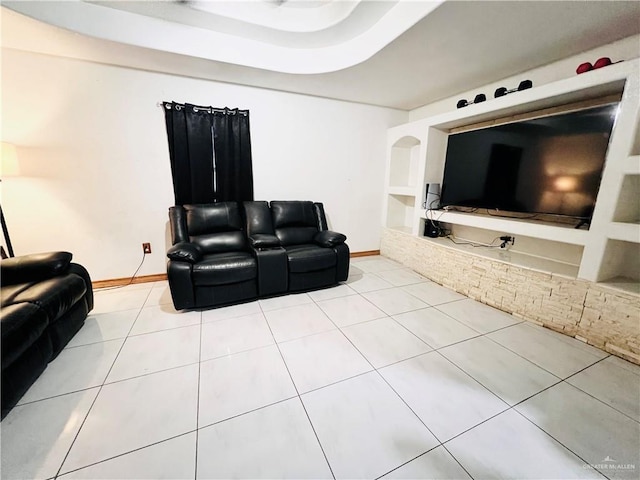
{"x": 601, "y": 316}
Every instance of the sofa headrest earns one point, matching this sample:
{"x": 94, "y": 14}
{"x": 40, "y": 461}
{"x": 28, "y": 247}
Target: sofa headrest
{"x": 34, "y": 267}
{"x": 213, "y": 218}
{"x": 215, "y": 227}
{"x": 293, "y": 214}
{"x": 295, "y": 222}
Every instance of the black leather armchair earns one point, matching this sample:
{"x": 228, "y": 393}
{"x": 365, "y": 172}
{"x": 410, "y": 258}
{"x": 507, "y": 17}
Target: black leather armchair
{"x": 210, "y": 262}
{"x": 316, "y": 257}
{"x": 45, "y": 300}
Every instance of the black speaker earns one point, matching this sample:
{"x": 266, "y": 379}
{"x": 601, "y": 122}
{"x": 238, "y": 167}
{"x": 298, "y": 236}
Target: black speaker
{"x": 431, "y": 229}
{"x": 432, "y": 200}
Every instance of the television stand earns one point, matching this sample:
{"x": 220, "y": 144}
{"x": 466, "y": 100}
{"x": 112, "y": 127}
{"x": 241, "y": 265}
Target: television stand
{"x": 598, "y": 248}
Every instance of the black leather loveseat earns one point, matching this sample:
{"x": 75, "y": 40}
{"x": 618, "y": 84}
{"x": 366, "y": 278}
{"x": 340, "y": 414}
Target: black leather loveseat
{"x": 229, "y": 252}
{"x": 45, "y": 300}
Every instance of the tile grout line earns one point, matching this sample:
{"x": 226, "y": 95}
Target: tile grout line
{"x": 458, "y": 461}
{"x": 437, "y": 349}
{"x": 298, "y": 393}
{"x": 163, "y": 329}
{"x": 481, "y": 334}
{"x": 95, "y": 399}
{"x": 407, "y": 462}
{"x": 559, "y": 380}
{"x": 547, "y": 433}
{"x": 105, "y": 383}
{"x": 440, "y": 443}
{"x": 397, "y": 322}
{"x": 339, "y": 328}
{"x": 517, "y": 321}
{"x": 593, "y": 396}
{"x": 324, "y": 386}
{"x": 238, "y": 415}
{"x": 509, "y": 407}
{"x": 123, "y": 454}
{"x": 533, "y": 363}
{"x": 394, "y": 391}
{"x": 512, "y": 407}
{"x": 195, "y": 467}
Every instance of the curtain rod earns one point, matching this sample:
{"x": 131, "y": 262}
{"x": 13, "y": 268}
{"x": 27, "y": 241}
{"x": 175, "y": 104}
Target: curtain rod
{"x": 196, "y": 108}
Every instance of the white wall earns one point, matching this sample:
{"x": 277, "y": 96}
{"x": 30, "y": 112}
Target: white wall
{"x": 95, "y": 176}
{"x": 625, "y": 49}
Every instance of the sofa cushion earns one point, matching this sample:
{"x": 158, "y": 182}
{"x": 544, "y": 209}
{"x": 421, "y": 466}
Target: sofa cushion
{"x": 8, "y": 293}
{"x": 296, "y": 235}
{"x": 224, "y": 268}
{"x": 55, "y": 296}
{"x": 22, "y": 325}
{"x": 309, "y": 258}
{"x": 294, "y": 222}
{"x": 216, "y": 227}
{"x": 220, "y": 242}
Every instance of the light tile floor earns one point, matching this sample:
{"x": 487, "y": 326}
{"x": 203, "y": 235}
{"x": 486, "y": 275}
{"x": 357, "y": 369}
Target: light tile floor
{"x": 388, "y": 375}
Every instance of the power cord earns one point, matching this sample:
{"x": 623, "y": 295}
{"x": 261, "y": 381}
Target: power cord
{"x": 144, "y": 256}
{"x": 442, "y": 232}
{"x": 475, "y": 244}
{"x": 439, "y": 231}
{"x": 505, "y": 239}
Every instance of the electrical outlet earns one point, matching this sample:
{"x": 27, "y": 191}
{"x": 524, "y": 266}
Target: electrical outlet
{"x": 146, "y": 248}
{"x": 506, "y": 240}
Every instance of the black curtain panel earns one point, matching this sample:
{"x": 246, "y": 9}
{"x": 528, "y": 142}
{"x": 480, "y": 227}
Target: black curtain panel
{"x": 232, "y": 147}
{"x": 210, "y": 151}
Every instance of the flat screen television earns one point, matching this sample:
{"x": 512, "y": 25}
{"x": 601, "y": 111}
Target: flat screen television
{"x": 549, "y": 165}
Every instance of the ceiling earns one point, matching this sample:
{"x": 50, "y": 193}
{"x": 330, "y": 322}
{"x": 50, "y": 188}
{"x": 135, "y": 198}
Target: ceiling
{"x": 399, "y": 54}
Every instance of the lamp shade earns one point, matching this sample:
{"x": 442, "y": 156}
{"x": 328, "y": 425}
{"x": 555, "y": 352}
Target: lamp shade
{"x": 9, "y": 165}
{"x": 565, "y": 183}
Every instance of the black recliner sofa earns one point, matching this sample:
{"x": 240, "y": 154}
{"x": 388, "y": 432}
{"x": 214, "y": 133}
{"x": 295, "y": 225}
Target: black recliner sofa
{"x": 45, "y": 300}
{"x": 227, "y": 252}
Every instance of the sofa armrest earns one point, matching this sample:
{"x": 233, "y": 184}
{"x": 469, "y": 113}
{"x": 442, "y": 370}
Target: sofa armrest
{"x": 34, "y": 267}
{"x": 264, "y": 240}
{"x": 185, "y": 252}
{"x": 181, "y": 284}
{"x": 84, "y": 274}
{"x": 327, "y": 238}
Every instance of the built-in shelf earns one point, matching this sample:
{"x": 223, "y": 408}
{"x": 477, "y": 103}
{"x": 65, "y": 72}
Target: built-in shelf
{"x": 628, "y": 232}
{"x": 514, "y": 258}
{"x": 400, "y": 211}
{"x": 606, "y": 251}
{"x": 406, "y": 191}
{"x": 628, "y": 204}
{"x": 565, "y": 234}
{"x": 401, "y": 229}
{"x": 624, "y": 284}
{"x": 404, "y": 159}
{"x": 635, "y": 147}
{"x": 632, "y": 165}
{"x": 552, "y": 266}
{"x": 621, "y": 260}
